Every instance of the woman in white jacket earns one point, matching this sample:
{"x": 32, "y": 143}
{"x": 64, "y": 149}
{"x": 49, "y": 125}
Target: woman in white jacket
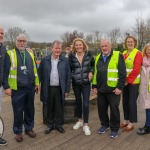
{"x": 144, "y": 91}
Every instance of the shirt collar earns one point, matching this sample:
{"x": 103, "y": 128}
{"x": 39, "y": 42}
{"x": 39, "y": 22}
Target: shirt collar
{"x": 54, "y": 58}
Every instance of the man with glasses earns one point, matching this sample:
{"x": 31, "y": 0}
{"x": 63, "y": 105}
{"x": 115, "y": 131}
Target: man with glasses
{"x": 21, "y": 82}
{"x": 2, "y": 57}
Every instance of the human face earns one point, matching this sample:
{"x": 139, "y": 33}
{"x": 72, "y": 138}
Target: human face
{"x": 79, "y": 46}
{"x": 21, "y": 43}
{"x": 1, "y": 34}
{"x": 147, "y": 52}
{"x": 105, "y": 47}
{"x": 130, "y": 43}
{"x": 56, "y": 50}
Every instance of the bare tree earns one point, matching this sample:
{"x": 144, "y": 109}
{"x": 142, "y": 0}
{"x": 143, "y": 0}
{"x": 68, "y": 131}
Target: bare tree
{"x": 11, "y": 34}
{"x": 147, "y": 31}
{"x": 114, "y": 36}
{"x": 140, "y": 31}
{"x": 68, "y": 38}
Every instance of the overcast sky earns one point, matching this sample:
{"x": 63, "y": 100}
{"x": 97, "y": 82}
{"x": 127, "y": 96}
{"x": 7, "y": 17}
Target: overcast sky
{"x": 47, "y": 20}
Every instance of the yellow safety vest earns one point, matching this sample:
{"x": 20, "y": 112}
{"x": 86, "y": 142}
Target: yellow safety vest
{"x": 12, "y": 78}
{"x": 130, "y": 62}
{"x": 112, "y": 71}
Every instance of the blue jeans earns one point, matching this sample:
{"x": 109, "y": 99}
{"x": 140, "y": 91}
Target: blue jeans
{"x": 82, "y": 95}
{"x": 147, "y": 123}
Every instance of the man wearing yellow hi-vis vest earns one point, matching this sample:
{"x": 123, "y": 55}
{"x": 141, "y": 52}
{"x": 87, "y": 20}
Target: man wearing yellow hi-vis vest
{"x": 108, "y": 82}
{"x": 20, "y": 82}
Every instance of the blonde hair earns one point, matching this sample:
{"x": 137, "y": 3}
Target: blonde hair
{"x": 85, "y": 47}
{"x": 144, "y": 49}
{"x": 135, "y": 41}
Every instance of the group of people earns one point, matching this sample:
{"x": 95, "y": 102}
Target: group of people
{"x": 109, "y": 74}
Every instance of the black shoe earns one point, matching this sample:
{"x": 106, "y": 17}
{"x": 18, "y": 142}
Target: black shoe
{"x": 60, "y": 129}
{"x": 3, "y": 142}
{"x": 141, "y": 128}
{"x": 48, "y": 130}
{"x": 143, "y": 131}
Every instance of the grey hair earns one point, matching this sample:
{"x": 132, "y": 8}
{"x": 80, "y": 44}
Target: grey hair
{"x": 56, "y": 42}
{"x": 21, "y": 36}
{"x": 105, "y": 40}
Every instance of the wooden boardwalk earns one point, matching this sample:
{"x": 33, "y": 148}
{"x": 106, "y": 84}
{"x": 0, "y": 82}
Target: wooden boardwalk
{"x": 72, "y": 140}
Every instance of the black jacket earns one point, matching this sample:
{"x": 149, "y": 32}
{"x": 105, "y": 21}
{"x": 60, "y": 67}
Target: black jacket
{"x": 2, "y": 58}
{"x": 102, "y": 74}
{"x": 44, "y": 76}
{"x": 79, "y": 72}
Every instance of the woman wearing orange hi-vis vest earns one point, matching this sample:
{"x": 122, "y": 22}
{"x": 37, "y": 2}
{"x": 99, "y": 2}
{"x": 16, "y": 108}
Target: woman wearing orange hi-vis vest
{"x": 133, "y": 61}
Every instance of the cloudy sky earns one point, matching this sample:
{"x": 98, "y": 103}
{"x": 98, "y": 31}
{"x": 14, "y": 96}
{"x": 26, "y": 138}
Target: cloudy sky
{"x": 47, "y": 20}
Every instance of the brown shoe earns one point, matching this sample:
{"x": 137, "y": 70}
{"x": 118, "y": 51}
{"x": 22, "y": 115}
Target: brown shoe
{"x": 31, "y": 134}
{"x": 128, "y": 128}
{"x": 122, "y": 125}
{"x": 19, "y": 137}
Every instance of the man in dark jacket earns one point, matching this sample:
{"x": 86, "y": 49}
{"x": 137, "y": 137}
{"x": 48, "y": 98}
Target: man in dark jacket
{"x": 108, "y": 82}
{"x": 2, "y": 58}
{"x": 20, "y": 82}
{"x": 54, "y": 75}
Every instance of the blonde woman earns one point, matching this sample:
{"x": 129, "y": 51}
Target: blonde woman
{"x": 81, "y": 62}
{"x": 144, "y": 91}
{"x": 133, "y": 60}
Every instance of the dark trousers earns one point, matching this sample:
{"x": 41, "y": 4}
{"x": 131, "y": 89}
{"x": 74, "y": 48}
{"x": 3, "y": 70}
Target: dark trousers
{"x": 130, "y": 94}
{"x": 109, "y": 99}
{"x": 147, "y": 123}
{"x": 54, "y": 107}
{"x": 44, "y": 111}
{"x": 23, "y": 108}
{"x": 79, "y": 92}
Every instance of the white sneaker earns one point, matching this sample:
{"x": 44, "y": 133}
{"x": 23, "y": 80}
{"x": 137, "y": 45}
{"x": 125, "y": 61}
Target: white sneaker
{"x": 78, "y": 125}
{"x": 86, "y": 130}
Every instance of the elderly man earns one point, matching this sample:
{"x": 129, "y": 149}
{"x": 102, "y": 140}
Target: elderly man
{"x": 2, "y": 58}
{"x": 54, "y": 74}
{"x": 108, "y": 82}
{"x": 21, "y": 82}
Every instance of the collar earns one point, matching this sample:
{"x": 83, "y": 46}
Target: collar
{"x": 54, "y": 58}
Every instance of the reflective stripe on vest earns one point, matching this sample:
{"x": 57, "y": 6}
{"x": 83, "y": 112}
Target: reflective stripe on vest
{"x": 112, "y": 71}
{"x": 129, "y": 61}
{"x": 12, "y": 78}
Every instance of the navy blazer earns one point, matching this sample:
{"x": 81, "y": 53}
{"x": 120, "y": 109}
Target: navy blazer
{"x": 44, "y": 76}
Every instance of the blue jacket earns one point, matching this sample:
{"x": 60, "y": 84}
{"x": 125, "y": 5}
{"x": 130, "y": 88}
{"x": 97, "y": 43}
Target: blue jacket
{"x": 44, "y": 76}
{"x": 2, "y": 59}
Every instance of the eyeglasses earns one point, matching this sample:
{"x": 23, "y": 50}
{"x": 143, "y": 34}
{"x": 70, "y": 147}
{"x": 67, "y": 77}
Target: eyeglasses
{"x": 22, "y": 41}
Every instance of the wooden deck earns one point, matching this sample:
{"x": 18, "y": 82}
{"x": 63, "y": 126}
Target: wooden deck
{"x": 72, "y": 140}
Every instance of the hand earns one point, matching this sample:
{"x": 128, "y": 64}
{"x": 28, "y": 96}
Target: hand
{"x": 29, "y": 50}
{"x": 66, "y": 94}
{"x": 37, "y": 89}
{"x": 126, "y": 83}
{"x": 8, "y": 92}
{"x": 117, "y": 91}
{"x": 94, "y": 90}
{"x": 90, "y": 76}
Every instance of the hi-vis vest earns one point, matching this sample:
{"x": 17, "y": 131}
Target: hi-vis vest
{"x": 112, "y": 71}
{"x": 130, "y": 62}
{"x": 12, "y": 78}
{"x": 149, "y": 85}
